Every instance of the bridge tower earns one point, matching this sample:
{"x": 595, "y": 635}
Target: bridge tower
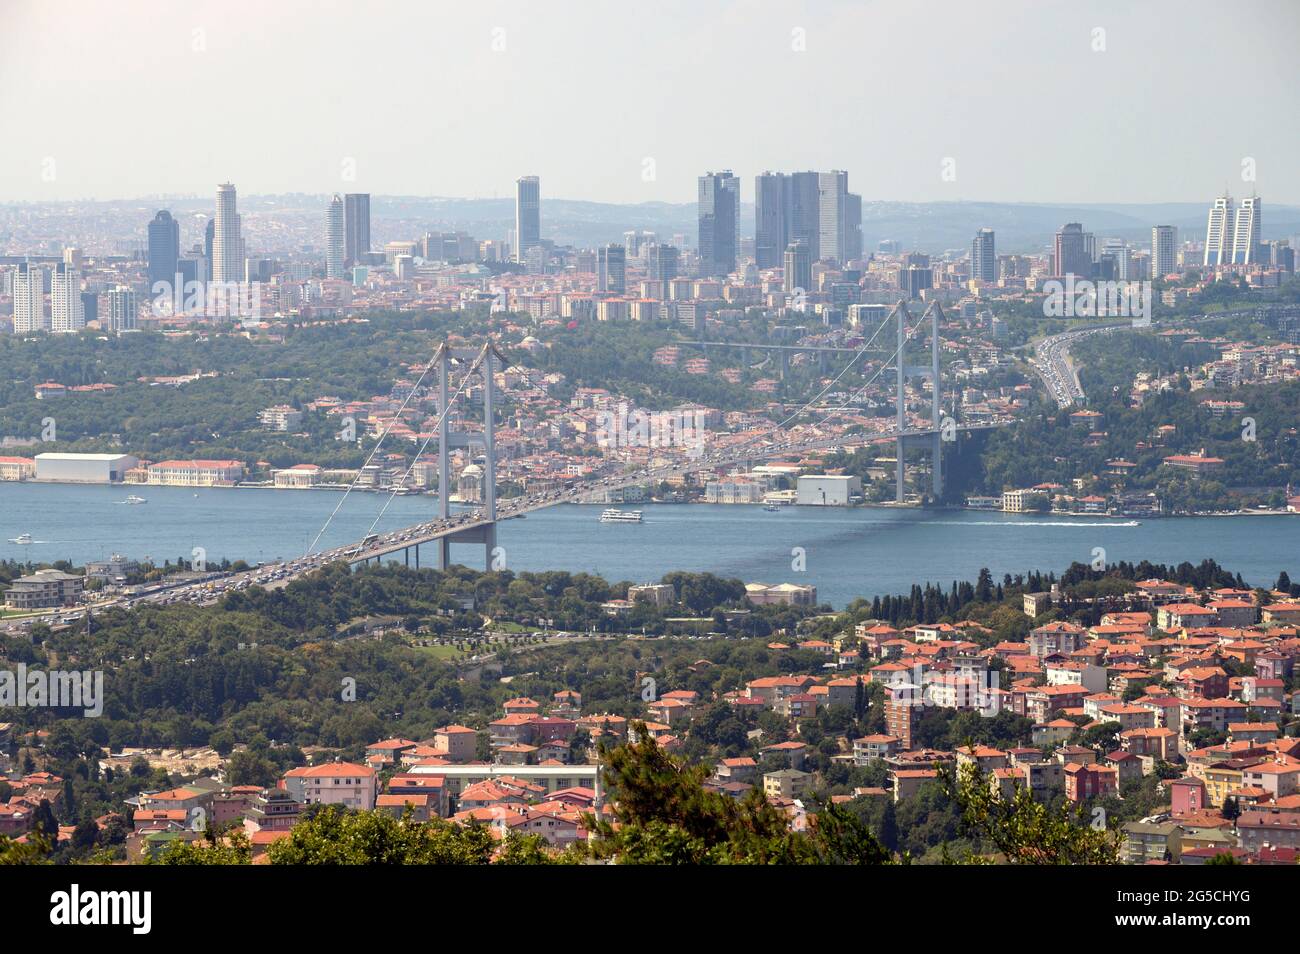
{"x": 933, "y": 441}
{"x": 485, "y": 533}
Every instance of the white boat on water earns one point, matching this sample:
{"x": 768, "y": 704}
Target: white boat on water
{"x": 23, "y": 539}
{"x": 133, "y": 499}
{"x": 614, "y": 515}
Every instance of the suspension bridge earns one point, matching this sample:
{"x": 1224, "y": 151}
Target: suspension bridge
{"x": 926, "y": 429}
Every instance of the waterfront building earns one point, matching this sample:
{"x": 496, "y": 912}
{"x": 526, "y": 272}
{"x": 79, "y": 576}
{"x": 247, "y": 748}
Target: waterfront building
{"x": 44, "y": 589}
{"x": 84, "y": 468}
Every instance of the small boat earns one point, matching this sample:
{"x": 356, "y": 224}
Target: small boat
{"x": 23, "y": 539}
{"x": 772, "y": 508}
{"x": 133, "y": 499}
{"x": 614, "y": 515}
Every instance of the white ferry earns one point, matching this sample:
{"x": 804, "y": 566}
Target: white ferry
{"x": 614, "y": 515}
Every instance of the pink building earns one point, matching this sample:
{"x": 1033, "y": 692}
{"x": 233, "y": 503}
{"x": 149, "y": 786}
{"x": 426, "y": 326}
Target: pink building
{"x": 335, "y": 783}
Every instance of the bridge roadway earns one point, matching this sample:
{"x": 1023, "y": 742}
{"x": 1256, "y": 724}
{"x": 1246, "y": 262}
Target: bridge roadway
{"x": 408, "y": 539}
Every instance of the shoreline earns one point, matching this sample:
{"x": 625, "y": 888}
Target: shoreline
{"x": 879, "y": 505}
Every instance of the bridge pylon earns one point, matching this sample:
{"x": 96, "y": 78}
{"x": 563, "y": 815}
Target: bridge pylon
{"x": 933, "y": 441}
{"x": 487, "y": 359}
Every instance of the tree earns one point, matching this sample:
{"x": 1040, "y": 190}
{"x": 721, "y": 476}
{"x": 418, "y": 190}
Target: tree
{"x": 663, "y": 814}
{"x": 232, "y": 849}
{"x": 247, "y": 767}
{"x": 889, "y": 826}
{"x": 85, "y": 836}
{"x": 1024, "y": 830}
{"x": 337, "y": 837}
{"x": 44, "y": 822}
{"x": 34, "y": 852}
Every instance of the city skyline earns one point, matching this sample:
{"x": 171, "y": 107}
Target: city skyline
{"x": 654, "y": 152}
{"x": 738, "y": 432}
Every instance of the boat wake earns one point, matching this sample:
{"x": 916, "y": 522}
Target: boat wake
{"x": 1039, "y": 523}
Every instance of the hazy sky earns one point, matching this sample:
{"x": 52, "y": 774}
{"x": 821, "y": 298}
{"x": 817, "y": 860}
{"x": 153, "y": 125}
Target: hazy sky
{"x": 144, "y": 97}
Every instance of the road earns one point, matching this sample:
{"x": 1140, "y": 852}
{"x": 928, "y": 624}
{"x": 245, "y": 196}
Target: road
{"x": 1052, "y": 362}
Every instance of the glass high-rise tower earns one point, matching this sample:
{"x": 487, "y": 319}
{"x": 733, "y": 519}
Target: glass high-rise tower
{"x": 984, "y": 257}
{"x": 164, "y": 248}
{"x": 528, "y": 216}
{"x": 356, "y": 227}
{"x": 719, "y": 222}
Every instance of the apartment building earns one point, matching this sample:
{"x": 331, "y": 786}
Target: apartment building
{"x": 335, "y": 783}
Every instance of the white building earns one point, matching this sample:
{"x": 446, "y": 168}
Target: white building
{"x": 227, "y": 245}
{"x": 84, "y": 468}
{"x": 67, "y": 313}
{"x": 1219, "y": 232}
{"x": 827, "y": 490}
{"x": 29, "y": 300}
{"x": 734, "y": 491}
{"x": 1245, "y": 235}
{"x": 334, "y": 238}
{"x": 123, "y": 309}
{"x": 281, "y": 417}
{"x": 656, "y": 594}
{"x": 1164, "y": 243}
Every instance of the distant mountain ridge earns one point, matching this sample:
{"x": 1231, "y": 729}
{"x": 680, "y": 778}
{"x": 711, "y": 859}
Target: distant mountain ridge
{"x": 924, "y": 226}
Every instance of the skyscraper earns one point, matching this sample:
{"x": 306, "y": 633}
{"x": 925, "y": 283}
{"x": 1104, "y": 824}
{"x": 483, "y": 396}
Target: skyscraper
{"x": 334, "y": 238}
{"x": 611, "y": 269}
{"x": 834, "y": 225}
{"x": 853, "y": 227}
{"x": 356, "y": 218}
{"x": 164, "y": 248}
{"x": 1164, "y": 241}
{"x": 123, "y": 307}
{"x": 1245, "y": 233}
{"x": 984, "y": 257}
{"x": 805, "y": 200}
{"x": 29, "y": 300}
{"x": 1071, "y": 256}
{"x": 67, "y": 312}
{"x": 528, "y": 216}
{"x": 227, "y": 244}
{"x": 915, "y": 279}
{"x": 209, "y": 239}
{"x": 1116, "y": 261}
{"x": 1219, "y": 232}
{"x": 661, "y": 262}
{"x": 719, "y": 220}
{"x": 771, "y": 218}
{"x": 798, "y": 269}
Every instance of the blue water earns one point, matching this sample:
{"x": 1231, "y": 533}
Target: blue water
{"x": 847, "y": 553}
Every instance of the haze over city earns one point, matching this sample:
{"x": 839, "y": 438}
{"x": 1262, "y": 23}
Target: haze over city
{"x": 1032, "y": 102}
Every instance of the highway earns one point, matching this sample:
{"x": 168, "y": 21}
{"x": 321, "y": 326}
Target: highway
{"x": 1052, "y": 362}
